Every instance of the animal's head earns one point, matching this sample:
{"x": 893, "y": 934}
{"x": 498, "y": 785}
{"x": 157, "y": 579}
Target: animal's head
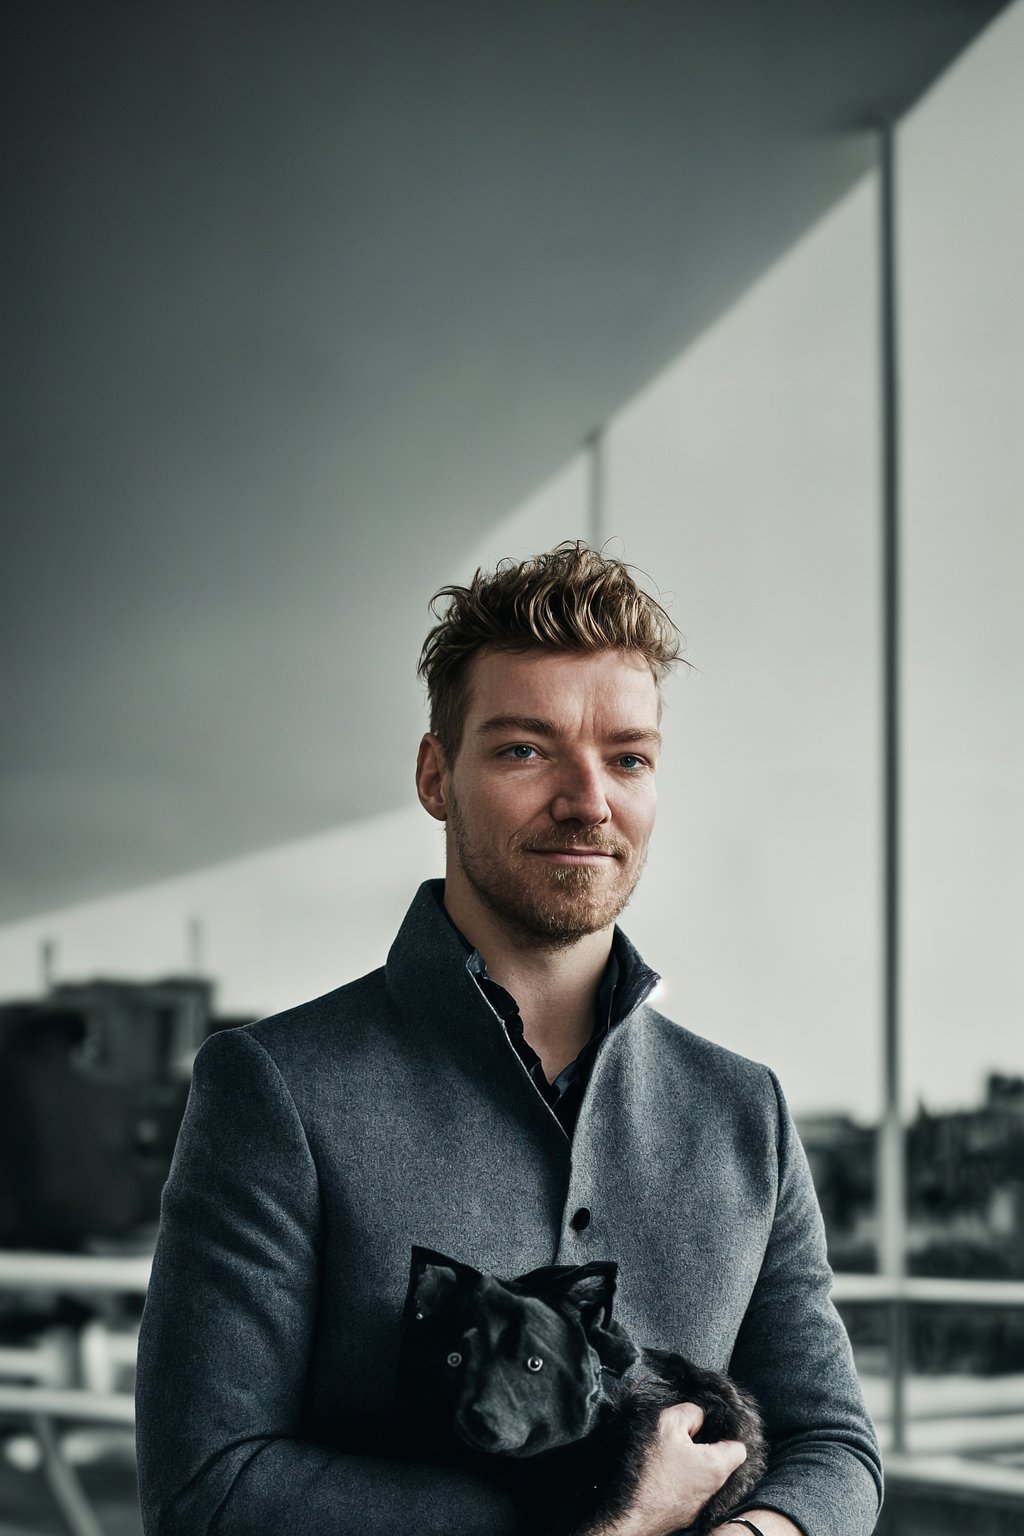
{"x": 513, "y": 1365}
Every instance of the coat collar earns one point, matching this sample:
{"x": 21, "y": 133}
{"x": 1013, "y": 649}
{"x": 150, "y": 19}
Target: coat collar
{"x": 427, "y": 968}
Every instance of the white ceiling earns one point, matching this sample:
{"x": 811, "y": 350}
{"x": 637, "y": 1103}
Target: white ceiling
{"x": 299, "y": 302}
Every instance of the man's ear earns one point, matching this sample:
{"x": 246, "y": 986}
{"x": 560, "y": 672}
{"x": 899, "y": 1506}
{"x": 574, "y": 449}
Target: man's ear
{"x": 432, "y": 777}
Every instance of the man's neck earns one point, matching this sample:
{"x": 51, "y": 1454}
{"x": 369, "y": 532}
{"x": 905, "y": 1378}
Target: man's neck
{"x": 554, "y": 988}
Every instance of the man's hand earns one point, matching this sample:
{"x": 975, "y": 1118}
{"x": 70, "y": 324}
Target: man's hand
{"x": 679, "y": 1476}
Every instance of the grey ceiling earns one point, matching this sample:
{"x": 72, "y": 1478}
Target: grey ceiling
{"x": 298, "y": 300}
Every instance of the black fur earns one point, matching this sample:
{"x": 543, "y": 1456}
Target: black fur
{"x": 572, "y": 1433}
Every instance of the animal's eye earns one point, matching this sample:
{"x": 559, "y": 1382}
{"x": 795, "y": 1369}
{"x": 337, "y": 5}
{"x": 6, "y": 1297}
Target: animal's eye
{"x": 454, "y": 1359}
{"x": 534, "y": 1363}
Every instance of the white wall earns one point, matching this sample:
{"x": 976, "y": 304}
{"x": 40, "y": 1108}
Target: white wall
{"x": 294, "y": 921}
{"x": 961, "y": 230}
{"x": 746, "y": 480}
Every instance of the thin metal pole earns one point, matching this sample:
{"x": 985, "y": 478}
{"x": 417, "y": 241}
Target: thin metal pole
{"x": 195, "y": 946}
{"x": 68, "y": 1494}
{"x": 892, "y": 1147}
{"x": 48, "y": 964}
{"x": 594, "y": 446}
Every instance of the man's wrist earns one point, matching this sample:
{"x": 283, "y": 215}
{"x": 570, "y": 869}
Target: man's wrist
{"x": 759, "y": 1522}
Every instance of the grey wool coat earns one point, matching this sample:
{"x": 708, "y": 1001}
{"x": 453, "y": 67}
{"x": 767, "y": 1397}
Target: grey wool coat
{"x": 319, "y": 1145}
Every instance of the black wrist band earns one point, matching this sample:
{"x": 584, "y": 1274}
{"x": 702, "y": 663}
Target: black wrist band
{"x": 741, "y": 1520}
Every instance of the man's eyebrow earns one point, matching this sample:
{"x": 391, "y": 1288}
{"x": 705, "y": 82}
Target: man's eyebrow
{"x": 638, "y": 733}
{"x": 535, "y": 725}
{"x": 531, "y": 725}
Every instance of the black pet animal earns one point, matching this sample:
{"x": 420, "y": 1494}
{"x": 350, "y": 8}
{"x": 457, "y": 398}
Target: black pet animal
{"x": 530, "y": 1370}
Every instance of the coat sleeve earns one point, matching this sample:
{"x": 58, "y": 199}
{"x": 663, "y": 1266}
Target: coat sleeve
{"x": 227, "y": 1333}
{"x": 792, "y": 1350}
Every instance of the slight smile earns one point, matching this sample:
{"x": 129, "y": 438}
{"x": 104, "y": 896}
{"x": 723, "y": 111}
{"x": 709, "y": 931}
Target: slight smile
{"x": 572, "y": 855}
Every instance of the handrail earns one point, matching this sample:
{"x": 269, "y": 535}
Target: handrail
{"x": 953, "y": 1473}
{"x": 69, "y": 1403}
{"x": 24, "y": 1271}
{"x": 130, "y": 1274}
{"x": 927, "y": 1289}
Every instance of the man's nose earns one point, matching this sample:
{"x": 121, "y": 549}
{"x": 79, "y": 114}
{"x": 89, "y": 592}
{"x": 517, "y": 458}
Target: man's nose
{"x": 580, "y": 795}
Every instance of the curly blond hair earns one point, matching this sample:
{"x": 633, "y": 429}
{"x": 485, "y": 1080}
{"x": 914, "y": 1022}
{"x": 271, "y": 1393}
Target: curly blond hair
{"x": 570, "y": 599}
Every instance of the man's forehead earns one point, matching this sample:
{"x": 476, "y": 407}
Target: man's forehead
{"x": 545, "y": 684}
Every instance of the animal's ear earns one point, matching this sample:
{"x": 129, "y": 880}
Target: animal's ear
{"x": 422, "y": 1256}
{"x": 589, "y": 1291}
{"x": 434, "y": 1279}
{"x": 586, "y": 1289}
{"x": 613, "y": 1346}
{"x": 435, "y": 1285}
{"x": 590, "y": 1288}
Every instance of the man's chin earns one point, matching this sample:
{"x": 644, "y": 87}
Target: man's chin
{"x": 564, "y": 916}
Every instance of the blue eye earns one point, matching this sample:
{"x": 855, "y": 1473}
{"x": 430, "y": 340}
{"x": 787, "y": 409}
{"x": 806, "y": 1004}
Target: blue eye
{"x": 520, "y": 751}
{"x": 631, "y": 762}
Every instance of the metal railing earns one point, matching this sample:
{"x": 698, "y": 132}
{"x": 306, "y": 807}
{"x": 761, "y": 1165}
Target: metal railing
{"x": 49, "y": 1380}
{"x": 919, "y": 1288}
{"x": 41, "y": 1395}
{"x": 897, "y": 1293}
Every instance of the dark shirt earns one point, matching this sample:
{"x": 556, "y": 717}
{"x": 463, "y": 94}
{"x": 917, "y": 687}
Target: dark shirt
{"x": 624, "y": 985}
{"x": 565, "y": 1094}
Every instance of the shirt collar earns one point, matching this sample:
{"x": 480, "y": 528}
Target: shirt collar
{"x": 625, "y": 983}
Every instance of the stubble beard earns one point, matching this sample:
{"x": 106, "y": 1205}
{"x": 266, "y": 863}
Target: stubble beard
{"x": 543, "y": 905}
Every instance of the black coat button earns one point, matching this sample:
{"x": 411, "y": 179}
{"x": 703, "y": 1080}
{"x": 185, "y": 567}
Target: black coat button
{"x": 581, "y": 1219}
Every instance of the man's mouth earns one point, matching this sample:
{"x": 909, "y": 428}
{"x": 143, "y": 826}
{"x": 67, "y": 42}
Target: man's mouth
{"x": 576, "y": 853}
{"x": 573, "y": 855}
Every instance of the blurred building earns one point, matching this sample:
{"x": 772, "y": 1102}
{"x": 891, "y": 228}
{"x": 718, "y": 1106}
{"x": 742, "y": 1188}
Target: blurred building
{"x": 965, "y": 1186}
{"x": 93, "y": 1082}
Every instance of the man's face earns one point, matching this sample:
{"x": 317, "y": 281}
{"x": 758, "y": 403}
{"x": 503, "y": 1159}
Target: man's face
{"x": 550, "y": 802}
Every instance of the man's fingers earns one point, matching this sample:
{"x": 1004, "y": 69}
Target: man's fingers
{"x": 729, "y": 1453}
{"x": 682, "y": 1419}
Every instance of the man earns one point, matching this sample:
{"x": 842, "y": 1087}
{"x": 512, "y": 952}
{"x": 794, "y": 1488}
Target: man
{"x": 499, "y": 1091}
